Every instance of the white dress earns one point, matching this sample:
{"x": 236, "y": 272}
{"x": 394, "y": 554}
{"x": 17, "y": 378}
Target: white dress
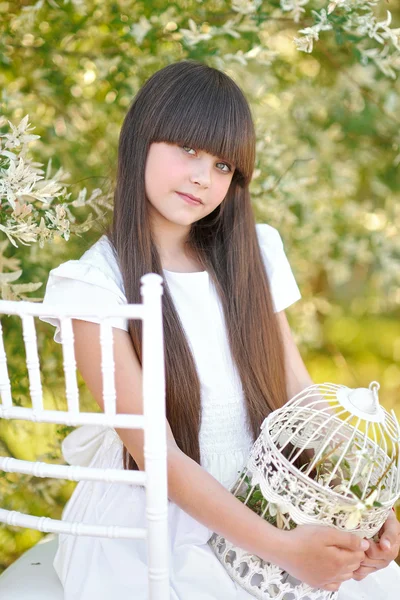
{"x": 92, "y": 568}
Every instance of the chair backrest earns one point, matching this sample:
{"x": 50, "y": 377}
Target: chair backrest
{"x": 153, "y": 420}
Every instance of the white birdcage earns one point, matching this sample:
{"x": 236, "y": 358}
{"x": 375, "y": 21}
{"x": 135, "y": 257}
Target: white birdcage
{"x": 330, "y": 456}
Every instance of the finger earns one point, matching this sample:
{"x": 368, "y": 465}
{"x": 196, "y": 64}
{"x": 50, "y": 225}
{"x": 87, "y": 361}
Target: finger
{"x": 349, "y": 541}
{"x": 354, "y": 567}
{"x": 345, "y": 577}
{"x": 373, "y": 549}
{"x": 387, "y": 544}
{"x": 349, "y": 557}
{"x": 390, "y": 532}
{"x": 332, "y": 587}
{"x": 373, "y": 562}
{"x": 363, "y": 572}
{"x": 376, "y": 552}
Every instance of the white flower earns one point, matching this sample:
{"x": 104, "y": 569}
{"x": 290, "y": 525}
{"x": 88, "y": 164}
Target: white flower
{"x": 19, "y": 135}
{"x": 31, "y": 193}
{"x": 194, "y": 35}
{"x": 246, "y": 7}
{"x": 22, "y": 210}
{"x": 305, "y": 44}
{"x": 295, "y": 6}
{"x": 354, "y": 518}
{"x": 17, "y": 180}
{"x": 272, "y": 509}
{"x": 356, "y": 512}
{"x": 141, "y": 29}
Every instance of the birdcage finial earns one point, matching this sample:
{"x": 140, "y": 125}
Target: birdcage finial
{"x": 362, "y": 402}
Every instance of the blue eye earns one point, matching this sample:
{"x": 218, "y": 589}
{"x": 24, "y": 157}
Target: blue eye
{"x": 226, "y": 165}
{"x": 219, "y": 163}
{"x": 188, "y": 147}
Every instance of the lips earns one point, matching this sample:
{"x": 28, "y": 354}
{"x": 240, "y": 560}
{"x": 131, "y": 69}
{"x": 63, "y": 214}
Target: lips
{"x": 189, "y": 198}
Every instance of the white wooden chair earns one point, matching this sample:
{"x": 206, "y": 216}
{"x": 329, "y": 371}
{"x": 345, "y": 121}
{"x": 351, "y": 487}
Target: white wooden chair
{"x": 154, "y": 476}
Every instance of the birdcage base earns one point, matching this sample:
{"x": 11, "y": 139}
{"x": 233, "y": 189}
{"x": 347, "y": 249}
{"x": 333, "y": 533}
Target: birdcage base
{"x": 261, "y": 579}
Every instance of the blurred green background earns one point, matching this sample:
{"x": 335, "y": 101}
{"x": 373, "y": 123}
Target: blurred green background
{"x": 327, "y": 173}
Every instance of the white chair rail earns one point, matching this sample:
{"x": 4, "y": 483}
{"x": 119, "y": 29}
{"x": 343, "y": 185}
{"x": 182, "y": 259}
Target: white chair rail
{"x": 153, "y": 420}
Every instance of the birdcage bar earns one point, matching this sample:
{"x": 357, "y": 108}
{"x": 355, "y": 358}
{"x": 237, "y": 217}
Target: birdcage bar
{"x": 344, "y": 452}
{"x": 393, "y": 471}
{"x": 392, "y": 426}
{"x": 383, "y": 438}
{"x": 304, "y": 424}
{"x": 377, "y": 452}
{"x": 385, "y": 450}
{"x": 316, "y": 387}
{"x": 396, "y": 424}
{"x": 362, "y": 451}
{"x": 306, "y": 408}
{"x": 265, "y": 510}
{"x": 249, "y": 494}
{"x": 329, "y": 439}
{"x": 302, "y": 401}
{"x": 314, "y": 390}
{"x": 294, "y": 417}
{"x": 69, "y": 364}
{"x": 32, "y": 361}
{"x": 371, "y": 467}
{"x": 314, "y": 436}
{"x": 314, "y": 403}
{"x": 234, "y": 491}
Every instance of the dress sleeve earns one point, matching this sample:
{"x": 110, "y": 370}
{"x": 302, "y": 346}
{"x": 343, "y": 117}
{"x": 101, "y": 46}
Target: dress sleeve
{"x": 80, "y": 282}
{"x": 284, "y": 288}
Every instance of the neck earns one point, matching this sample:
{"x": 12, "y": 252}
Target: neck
{"x": 170, "y": 239}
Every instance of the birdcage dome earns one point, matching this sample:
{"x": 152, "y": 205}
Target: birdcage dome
{"x": 330, "y": 456}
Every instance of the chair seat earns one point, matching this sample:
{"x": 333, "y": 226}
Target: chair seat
{"x": 32, "y": 575}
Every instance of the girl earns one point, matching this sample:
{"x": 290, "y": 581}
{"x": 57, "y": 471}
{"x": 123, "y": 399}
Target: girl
{"x": 182, "y": 209}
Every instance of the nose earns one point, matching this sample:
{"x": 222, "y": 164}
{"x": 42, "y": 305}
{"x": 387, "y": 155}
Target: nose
{"x": 201, "y": 173}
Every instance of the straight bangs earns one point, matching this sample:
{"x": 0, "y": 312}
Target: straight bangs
{"x": 209, "y": 113}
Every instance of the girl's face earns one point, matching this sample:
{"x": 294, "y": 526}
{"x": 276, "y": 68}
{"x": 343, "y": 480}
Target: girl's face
{"x": 171, "y": 169}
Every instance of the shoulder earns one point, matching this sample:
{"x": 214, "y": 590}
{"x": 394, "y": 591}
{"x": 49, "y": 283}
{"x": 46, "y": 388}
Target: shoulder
{"x": 102, "y": 256}
{"x": 269, "y": 237}
{"x": 283, "y": 286}
{"x": 271, "y": 245}
{"x": 93, "y": 280}
{"x": 97, "y": 266}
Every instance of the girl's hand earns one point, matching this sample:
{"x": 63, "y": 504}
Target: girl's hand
{"x": 320, "y": 556}
{"x": 381, "y": 554}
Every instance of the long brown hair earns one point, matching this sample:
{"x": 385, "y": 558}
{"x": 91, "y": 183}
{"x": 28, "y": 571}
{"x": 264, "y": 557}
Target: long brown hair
{"x": 189, "y": 103}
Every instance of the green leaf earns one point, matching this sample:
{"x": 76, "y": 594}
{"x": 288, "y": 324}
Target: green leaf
{"x": 356, "y": 490}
